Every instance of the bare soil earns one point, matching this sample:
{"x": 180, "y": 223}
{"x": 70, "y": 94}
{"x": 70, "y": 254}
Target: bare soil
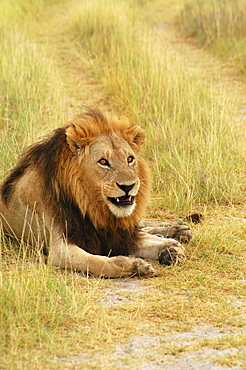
{"x": 156, "y": 352}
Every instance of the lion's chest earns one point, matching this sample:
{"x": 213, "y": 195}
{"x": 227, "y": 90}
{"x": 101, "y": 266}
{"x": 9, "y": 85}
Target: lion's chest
{"x": 104, "y": 242}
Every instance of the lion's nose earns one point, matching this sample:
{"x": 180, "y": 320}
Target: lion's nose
{"x": 125, "y": 188}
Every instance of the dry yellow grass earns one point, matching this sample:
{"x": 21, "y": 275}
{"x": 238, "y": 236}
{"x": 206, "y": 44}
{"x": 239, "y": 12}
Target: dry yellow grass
{"x": 220, "y": 27}
{"x": 51, "y": 319}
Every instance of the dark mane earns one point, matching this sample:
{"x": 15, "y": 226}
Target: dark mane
{"x": 15, "y": 174}
{"x": 45, "y": 157}
{"x": 81, "y": 231}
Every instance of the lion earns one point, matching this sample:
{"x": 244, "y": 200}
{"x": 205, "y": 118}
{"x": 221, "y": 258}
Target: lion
{"x": 79, "y": 195}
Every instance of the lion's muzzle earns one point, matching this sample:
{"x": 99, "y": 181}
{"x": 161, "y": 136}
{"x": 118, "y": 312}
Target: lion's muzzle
{"x": 125, "y": 200}
{"x": 122, "y": 201}
{"x": 123, "y": 205}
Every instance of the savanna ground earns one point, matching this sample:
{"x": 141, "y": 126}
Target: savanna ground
{"x": 170, "y": 70}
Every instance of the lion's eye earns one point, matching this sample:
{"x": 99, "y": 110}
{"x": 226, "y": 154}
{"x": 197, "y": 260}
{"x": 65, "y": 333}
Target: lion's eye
{"x": 130, "y": 159}
{"x": 104, "y": 162}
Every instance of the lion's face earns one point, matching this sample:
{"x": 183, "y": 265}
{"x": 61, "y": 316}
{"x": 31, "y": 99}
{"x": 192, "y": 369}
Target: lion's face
{"x": 115, "y": 173}
{"x": 107, "y": 175}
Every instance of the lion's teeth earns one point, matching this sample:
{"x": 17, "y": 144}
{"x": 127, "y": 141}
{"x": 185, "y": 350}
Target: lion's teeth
{"x": 117, "y": 200}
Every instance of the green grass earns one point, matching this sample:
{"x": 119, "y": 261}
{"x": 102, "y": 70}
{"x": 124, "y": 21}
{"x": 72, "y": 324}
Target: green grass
{"x": 219, "y": 26}
{"x": 196, "y": 153}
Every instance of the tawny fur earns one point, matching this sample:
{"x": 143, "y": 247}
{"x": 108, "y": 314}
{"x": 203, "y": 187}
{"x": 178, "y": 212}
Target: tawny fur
{"x": 60, "y": 196}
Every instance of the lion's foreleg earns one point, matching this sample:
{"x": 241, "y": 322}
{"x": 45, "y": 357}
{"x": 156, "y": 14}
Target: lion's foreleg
{"x": 74, "y": 258}
{"x": 166, "y": 250}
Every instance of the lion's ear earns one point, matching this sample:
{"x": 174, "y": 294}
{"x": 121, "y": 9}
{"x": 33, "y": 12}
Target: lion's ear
{"x": 77, "y": 138}
{"x": 135, "y": 136}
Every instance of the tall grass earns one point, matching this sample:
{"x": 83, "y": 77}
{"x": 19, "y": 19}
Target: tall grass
{"x": 218, "y": 25}
{"x": 29, "y": 88}
{"x": 40, "y": 309}
{"x": 19, "y": 10}
{"x": 34, "y": 304}
{"x": 195, "y": 151}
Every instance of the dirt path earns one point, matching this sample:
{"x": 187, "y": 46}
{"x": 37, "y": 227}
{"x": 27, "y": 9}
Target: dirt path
{"x": 226, "y": 81}
{"x": 74, "y": 69}
{"x": 83, "y": 90}
{"x": 80, "y": 89}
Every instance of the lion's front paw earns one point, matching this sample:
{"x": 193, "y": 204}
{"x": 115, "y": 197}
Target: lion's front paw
{"x": 134, "y": 266}
{"x": 143, "y": 268}
{"x": 172, "y": 255}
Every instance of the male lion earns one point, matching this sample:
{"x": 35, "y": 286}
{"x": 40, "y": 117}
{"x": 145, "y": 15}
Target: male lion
{"x": 80, "y": 194}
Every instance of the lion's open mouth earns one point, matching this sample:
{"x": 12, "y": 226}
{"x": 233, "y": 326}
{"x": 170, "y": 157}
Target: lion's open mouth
{"x": 126, "y": 200}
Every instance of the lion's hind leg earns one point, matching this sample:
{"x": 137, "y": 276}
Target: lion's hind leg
{"x": 174, "y": 230}
{"x": 72, "y": 257}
